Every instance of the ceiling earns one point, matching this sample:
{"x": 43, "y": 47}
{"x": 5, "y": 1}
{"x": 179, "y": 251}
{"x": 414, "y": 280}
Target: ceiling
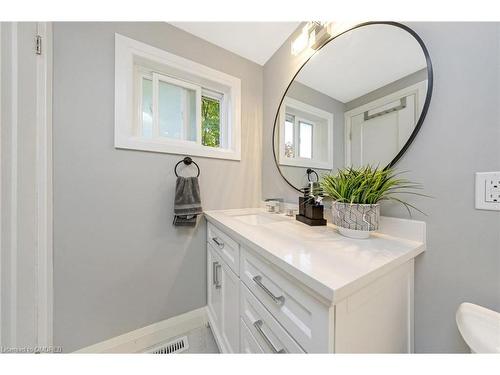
{"x": 255, "y": 41}
{"x": 361, "y": 61}
{"x": 353, "y": 65}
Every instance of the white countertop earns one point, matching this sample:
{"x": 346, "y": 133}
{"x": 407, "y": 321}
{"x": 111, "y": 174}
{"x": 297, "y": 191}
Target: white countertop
{"x": 332, "y": 265}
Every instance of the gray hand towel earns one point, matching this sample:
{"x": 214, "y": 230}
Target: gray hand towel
{"x": 187, "y": 204}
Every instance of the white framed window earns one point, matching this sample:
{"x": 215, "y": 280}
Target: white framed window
{"x": 166, "y": 103}
{"x": 305, "y": 135}
{"x": 298, "y": 133}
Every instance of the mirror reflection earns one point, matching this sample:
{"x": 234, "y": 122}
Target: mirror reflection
{"x": 355, "y": 102}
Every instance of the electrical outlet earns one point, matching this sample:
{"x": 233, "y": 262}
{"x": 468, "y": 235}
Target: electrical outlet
{"x": 492, "y": 191}
{"x": 488, "y": 191}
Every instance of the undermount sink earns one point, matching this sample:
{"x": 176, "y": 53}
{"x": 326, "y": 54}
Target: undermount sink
{"x": 260, "y": 218}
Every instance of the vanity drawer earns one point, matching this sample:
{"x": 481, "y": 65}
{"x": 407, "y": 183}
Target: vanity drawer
{"x": 268, "y": 333}
{"x": 248, "y": 344}
{"x": 228, "y": 248}
{"x": 304, "y": 317}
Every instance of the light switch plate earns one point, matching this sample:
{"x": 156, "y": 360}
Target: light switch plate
{"x": 488, "y": 191}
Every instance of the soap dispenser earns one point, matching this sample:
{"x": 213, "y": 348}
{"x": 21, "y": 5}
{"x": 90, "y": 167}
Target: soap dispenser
{"x": 310, "y": 208}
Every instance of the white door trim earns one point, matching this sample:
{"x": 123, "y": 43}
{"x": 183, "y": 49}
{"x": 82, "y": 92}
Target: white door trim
{"x": 419, "y": 89}
{"x": 8, "y": 180}
{"x": 44, "y": 280}
{"x": 13, "y": 185}
{"x": 40, "y": 302}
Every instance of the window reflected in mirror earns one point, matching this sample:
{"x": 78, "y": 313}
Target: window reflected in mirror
{"x": 305, "y": 135}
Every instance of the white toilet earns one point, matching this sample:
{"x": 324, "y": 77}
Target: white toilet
{"x": 479, "y": 327}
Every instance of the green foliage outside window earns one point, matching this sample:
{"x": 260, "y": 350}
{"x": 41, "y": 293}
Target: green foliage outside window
{"x": 210, "y": 122}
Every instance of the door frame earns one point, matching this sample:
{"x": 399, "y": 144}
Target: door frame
{"x": 419, "y": 89}
{"x": 41, "y": 302}
{"x": 45, "y": 290}
{"x": 8, "y": 179}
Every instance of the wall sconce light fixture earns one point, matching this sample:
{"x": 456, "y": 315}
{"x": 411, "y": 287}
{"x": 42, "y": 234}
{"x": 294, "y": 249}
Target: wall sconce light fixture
{"x": 313, "y": 35}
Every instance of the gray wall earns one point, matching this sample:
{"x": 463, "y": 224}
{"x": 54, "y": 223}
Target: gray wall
{"x": 400, "y": 84}
{"x": 278, "y": 71}
{"x": 461, "y": 135}
{"x": 119, "y": 264}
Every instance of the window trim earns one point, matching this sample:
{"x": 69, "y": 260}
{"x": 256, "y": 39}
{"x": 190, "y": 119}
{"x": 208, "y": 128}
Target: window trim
{"x": 126, "y": 50}
{"x": 139, "y": 76}
{"x": 298, "y": 161}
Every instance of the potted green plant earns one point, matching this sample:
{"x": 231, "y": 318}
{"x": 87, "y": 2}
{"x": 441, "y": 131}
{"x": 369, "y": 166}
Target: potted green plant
{"x": 356, "y": 194}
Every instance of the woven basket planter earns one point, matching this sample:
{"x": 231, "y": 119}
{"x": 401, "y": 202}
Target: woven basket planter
{"x": 356, "y": 220}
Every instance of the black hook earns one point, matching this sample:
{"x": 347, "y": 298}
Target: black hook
{"x": 187, "y": 161}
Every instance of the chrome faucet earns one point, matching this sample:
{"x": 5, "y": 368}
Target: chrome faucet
{"x": 274, "y": 204}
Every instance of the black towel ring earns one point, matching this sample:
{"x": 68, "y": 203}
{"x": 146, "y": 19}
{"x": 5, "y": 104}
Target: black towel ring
{"x": 309, "y": 172}
{"x": 188, "y": 161}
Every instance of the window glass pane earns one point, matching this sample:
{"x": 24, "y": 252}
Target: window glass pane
{"x": 210, "y": 122}
{"x": 147, "y": 108}
{"x": 305, "y": 140}
{"x": 177, "y": 112}
{"x": 289, "y": 136}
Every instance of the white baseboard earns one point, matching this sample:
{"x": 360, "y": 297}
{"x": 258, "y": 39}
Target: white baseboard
{"x": 143, "y": 338}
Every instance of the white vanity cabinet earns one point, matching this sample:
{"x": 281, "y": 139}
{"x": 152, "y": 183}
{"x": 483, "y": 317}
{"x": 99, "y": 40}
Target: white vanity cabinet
{"x": 296, "y": 310}
{"x": 223, "y": 299}
{"x": 334, "y": 296}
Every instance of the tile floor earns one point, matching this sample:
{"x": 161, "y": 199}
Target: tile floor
{"x": 201, "y": 340}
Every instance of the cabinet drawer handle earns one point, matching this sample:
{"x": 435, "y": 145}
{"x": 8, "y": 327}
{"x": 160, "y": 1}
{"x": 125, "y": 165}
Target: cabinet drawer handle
{"x": 279, "y": 300}
{"x": 215, "y": 274}
{"x": 214, "y": 278}
{"x": 219, "y": 243}
{"x": 258, "y": 326}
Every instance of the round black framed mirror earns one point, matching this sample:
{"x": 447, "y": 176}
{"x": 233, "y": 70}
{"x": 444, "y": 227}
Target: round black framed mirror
{"x": 360, "y": 99}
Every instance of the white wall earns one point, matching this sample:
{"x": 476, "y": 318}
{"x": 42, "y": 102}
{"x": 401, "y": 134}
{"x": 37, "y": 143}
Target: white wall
{"x": 119, "y": 264}
{"x": 461, "y": 135}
